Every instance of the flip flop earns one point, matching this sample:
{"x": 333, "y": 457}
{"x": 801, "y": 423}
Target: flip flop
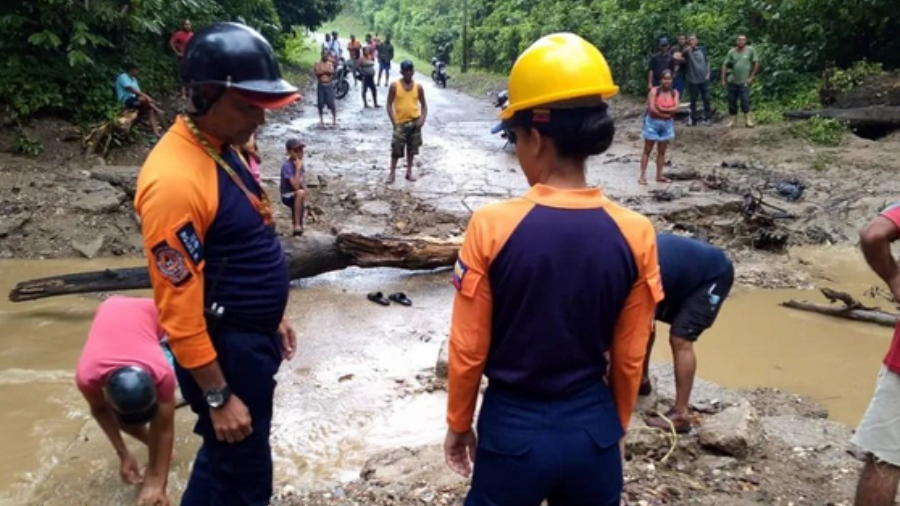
{"x": 400, "y": 298}
{"x": 378, "y": 298}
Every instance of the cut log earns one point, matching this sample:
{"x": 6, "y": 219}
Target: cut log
{"x": 881, "y": 117}
{"x": 307, "y": 256}
{"x": 851, "y": 310}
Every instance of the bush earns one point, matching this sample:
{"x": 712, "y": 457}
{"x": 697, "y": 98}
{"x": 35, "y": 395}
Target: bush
{"x": 823, "y": 131}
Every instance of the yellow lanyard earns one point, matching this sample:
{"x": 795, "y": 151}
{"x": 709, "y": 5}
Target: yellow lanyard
{"x": 262, "y": 204}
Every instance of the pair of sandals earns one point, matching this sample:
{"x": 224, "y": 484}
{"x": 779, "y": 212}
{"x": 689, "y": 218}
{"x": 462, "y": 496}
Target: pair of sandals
{"x": 399, "y": 298}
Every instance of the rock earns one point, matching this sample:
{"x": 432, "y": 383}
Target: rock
{"x": 410, "y": 466}
{"x": 642, "y": 439}
{"x": 706, "y": 397}
{"x": 10, "y": 224}
{"x": 104, "y": 199}
{"x": 376, "y": 208}
{"x": 123, "y": 177}
{"x": 734, "y": 431}
{"x": 90, "y": 248}
{"x": 70, "y": 134}
{"x": 830, "y": 440}
{"x": 442, "y": 367}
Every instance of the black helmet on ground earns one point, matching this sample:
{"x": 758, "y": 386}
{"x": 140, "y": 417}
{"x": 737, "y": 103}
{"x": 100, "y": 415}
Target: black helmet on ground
{"x": 236, "y": 56}
{"x": 132, "y": 393}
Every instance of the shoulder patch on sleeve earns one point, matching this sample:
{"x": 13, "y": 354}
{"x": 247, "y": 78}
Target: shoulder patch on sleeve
{"x": 187, "y": 235}
{"x": 459, "y": 272}
{"x": 171, "y": 264}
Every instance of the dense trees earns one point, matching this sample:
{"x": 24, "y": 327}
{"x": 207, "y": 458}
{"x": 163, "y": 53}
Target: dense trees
{"x": 63, "y": 55}
{"x": 795, "y": 37}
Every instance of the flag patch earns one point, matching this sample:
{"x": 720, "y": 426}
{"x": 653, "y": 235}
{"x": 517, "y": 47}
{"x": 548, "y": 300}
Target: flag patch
{"x": 459, "y": 272}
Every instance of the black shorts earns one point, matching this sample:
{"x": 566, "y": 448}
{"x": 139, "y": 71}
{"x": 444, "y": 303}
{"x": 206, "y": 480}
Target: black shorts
{"x": 699, "y": 310}
{"x": 132, "y": 103}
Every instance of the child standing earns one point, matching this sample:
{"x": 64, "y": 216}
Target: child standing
{"x": 293, "y": 183}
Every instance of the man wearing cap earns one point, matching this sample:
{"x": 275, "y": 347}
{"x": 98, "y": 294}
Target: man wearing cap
{"x": 127, "y": 382}
{"x": 218, "y": 272}
{"x": 407, "y": 110}
{"x": 661, "y": 61}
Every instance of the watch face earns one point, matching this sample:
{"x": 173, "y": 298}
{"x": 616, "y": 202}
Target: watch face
{"x": 214, "y": 399}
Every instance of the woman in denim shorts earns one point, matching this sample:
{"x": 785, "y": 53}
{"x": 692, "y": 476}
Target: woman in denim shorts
{"x": 659, "y": 125}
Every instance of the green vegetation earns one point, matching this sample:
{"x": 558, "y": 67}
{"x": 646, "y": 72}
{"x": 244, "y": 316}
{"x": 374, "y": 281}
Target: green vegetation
{"x": 796, "y": 39}
{"x": 823, "y": 131}
{"x": 62, "y": 56}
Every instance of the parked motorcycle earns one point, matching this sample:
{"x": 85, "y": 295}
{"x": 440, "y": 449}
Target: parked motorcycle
{"x": 341, "y": 81}
{"x": 439, "y": 72}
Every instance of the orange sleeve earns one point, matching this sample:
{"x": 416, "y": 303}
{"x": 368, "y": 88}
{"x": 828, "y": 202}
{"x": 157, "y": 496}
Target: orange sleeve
{"x": 635, "y": 322}
{"x": 176, "y": 203}
{"x": 470, "y": 331}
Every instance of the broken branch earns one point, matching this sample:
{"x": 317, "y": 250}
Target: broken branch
{"x": 852, "y": 309}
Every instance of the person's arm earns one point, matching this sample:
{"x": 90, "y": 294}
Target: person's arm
{"x": 172, "y": 44}
{"x": 875, "y": 242}
{"x": 174, "y": 221}
{"x": 755, "y": 67}
{"x": 392, "y": 93}
{"x": 651, "y": 101}
{"x": 633, "y": 326}
{"x": 162, "y": 437}
{"x": 650, "y": 79}
{"x": 298, "y": 174}
{"x": 423, "y": 105}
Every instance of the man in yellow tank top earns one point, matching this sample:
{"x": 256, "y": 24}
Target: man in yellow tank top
{"x": 407, "y": 109}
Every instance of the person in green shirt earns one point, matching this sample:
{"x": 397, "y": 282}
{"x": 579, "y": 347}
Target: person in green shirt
{"x": 738, "y": 72}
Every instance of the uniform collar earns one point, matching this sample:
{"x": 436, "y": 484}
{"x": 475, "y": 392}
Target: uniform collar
{"x": 181, "y": 129}
{"x": 583, "y": 198}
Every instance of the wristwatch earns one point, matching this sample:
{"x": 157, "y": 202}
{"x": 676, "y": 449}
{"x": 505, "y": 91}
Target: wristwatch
{"x": 217, "y": 397}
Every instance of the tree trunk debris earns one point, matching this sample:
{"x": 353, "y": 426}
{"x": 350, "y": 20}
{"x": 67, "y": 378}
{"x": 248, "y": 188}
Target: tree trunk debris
{"x": 879, "y": 116}
{"x": 852, "y": 309}
{"x": 307, "y": 256}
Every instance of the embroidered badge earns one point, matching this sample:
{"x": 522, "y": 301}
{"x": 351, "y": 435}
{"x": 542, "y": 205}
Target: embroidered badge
{"x": 459, "y": 272}
{"x": 171, "y": 264}
{"x": 187, "y": 235}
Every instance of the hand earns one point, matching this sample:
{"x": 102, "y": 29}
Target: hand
{"x": 129, "y": 470}
{"x": 288, "y": 336}
{"x": 420, "y": 122}
{"x": 459, "y": 451}
{"x": 153, "y": 495}
{"x": 750, "y": 80}
{"x": 232, "y": 421}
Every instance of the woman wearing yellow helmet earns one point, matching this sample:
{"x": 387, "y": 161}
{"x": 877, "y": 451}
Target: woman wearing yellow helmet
{"x": 555, "y": 298}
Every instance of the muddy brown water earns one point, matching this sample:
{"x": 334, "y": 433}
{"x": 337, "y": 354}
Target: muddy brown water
{"x": 346, "y": 394}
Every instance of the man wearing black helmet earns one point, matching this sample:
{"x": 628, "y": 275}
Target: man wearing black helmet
{"x": 219, "y": 274}
{"x": 125, "y": 378}
{"x": 407, "y": 109}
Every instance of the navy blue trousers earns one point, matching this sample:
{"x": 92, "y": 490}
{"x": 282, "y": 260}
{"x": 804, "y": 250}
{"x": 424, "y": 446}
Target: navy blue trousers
{"x": 232, "y": 474}
{"x": 565, "y": 451}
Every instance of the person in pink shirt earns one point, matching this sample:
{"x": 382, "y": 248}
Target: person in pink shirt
{"x": 129, "y": 385}
{"x": 251, "y": 154}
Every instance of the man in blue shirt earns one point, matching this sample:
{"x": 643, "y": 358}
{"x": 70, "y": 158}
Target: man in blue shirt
{"x": 696, "y": 278}
{"x": 128, "y": 93}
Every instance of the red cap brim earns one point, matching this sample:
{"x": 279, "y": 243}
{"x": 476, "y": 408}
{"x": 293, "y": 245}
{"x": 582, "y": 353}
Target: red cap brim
{"x": 266, "y": 101}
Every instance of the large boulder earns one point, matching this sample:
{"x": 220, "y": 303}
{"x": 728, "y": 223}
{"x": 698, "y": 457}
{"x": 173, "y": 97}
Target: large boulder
{"x": 735, "y": 431}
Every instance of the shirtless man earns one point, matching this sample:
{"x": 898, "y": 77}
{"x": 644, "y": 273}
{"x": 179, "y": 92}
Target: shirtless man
{"x": 325, "y": 89}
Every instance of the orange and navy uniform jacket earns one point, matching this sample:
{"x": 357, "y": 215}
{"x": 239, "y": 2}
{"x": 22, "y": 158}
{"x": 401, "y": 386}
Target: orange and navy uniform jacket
{"x": 555, "y": 294}
{"x": 206, "y": 243}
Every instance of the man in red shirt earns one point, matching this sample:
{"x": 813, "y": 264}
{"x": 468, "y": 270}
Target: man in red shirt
{"x": 129, "y": 385}
{"x": 879, "y": 432}
{"x": 178, "y": 43}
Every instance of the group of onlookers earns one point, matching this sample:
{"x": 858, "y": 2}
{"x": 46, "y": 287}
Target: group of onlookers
{"x": 687, "y": 65}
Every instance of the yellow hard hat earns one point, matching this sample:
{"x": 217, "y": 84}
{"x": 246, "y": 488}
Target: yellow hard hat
{"x": 559, "y": 66}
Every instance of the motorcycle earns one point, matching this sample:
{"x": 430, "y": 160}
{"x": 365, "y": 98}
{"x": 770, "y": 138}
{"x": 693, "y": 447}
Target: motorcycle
{"x": 341, "y": 82}
{"x": 501, "y": 101}
{"x": 439, "y": 68}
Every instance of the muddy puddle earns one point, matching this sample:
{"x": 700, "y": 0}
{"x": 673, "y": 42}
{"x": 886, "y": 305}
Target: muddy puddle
{"x": 352, "y": 389}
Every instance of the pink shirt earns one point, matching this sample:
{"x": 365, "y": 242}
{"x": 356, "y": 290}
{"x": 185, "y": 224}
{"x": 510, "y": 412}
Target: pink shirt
{"x": 125, "y": 331}
{"x": 254, "y": 168}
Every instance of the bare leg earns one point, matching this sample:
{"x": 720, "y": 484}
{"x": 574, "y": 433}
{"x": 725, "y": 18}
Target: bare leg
{"x": 645, "y": 160}
{"x": 298, "y": 211}
{"x": 877, "y": 484}
{"x": 334, "y": 116}
{"x": 391, "y": 177}
{"x": 409, "y": 167}
{"x": 645, "y": 377}
{"x": 685, "y": 368}
{"x": 322, "y": 118}
{"x": 661, "y": 161}
{"x": 154, "y": 121}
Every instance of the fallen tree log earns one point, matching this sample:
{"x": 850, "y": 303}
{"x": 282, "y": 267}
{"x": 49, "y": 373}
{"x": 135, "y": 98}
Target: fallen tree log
{"x": 880, "y": 116}
{"x": 851, "y": 309}
{"x": 307, "y": 256}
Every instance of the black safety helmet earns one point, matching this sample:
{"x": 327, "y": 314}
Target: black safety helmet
{"x": 235, "y": 56}
{"x": 132, "y": 393}
{"x": 406, "y": 65}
